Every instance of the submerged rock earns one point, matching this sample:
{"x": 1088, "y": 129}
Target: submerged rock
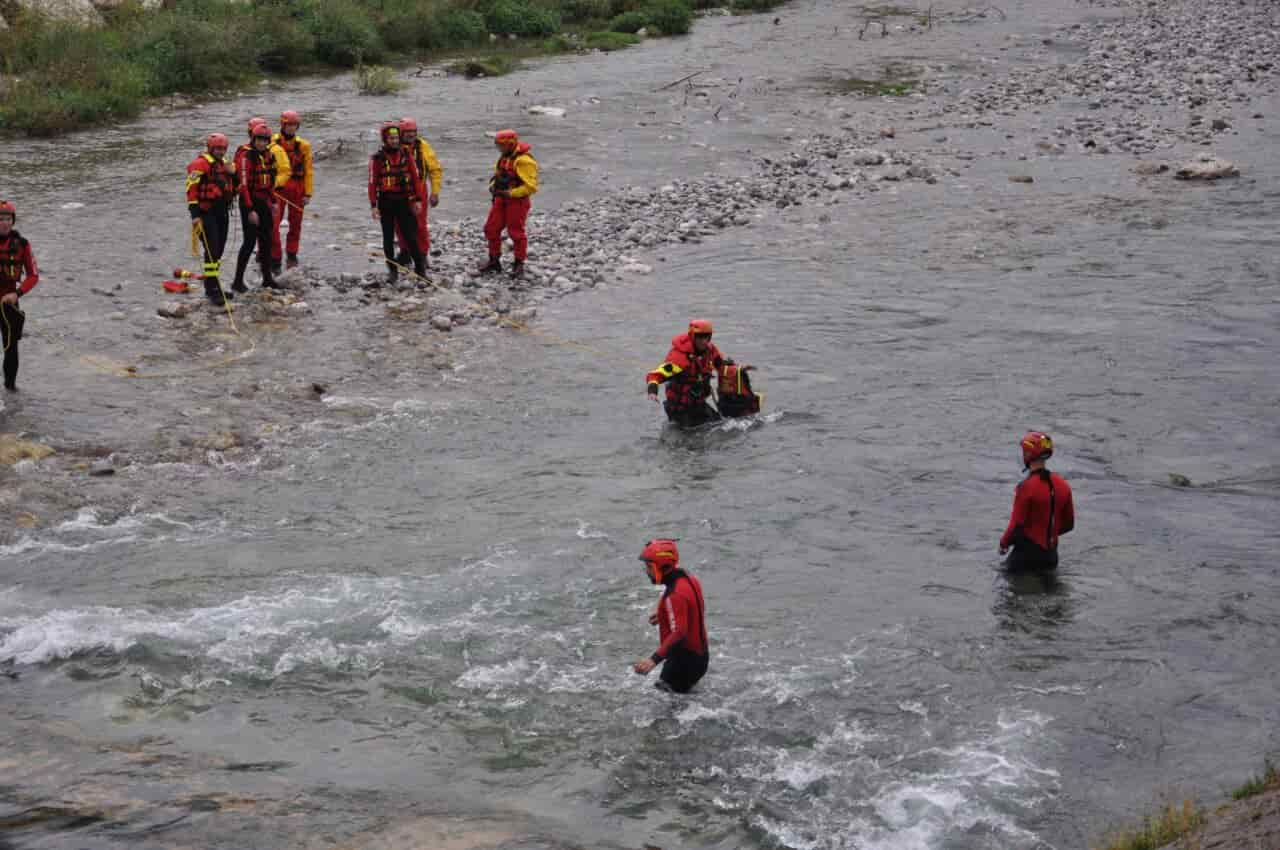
{"x": 1207, "y": 167}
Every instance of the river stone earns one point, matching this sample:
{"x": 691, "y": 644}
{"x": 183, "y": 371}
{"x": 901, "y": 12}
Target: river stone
{"x": 103, "y": 467}
{"x": 441, "y": 322}
{"x": 14, "y": 449}
{"x": 1207, "y": 167}
{"x": 866, "y": 156}
{"x": 176, "y": 309}
{"x": 1021, "y": 178}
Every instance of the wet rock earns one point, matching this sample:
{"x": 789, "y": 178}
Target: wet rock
{"x": 1179, "y": 480}
{"x": 887, "y": 132}
{"x": 1021, "y": 178}
{"x": 1149, "y": 168}
{"x": 1207, "y": 167}
{"x": 13, "y": 449}
{"x": 549, "y": 111}
{"x": 100, "y": 468}
{"x": 441, "y": 322}
{"x": 177, "y": 309}
{"x": 836, "y": 182}
{"x": 524, "y": 314}
{"x": 637, "y": 268}
{"x": 220, "y": 441}
{"x": 866, "y": 157}
{"x": 1220, "y": 124}
{"x": 319, "y": 389}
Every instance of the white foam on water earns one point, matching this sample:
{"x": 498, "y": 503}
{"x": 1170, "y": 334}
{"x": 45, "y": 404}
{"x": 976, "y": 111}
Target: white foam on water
{"x": 87, "y": 531}
{"x": 585, "y": 532}
{"x": 495, "y": 678}
{"x": 265, "y": 635}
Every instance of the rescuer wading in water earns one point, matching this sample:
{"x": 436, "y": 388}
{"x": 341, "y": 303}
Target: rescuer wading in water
{"x": 681, "y": 619}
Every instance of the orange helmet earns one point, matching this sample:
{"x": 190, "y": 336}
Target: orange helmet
{"x": 7, "y": 208}
{"x": 506, "y": 137}
{"x": 289, "y": 117}
{"x": 659, "y": 556}
{"x": 699, "y": 327}
{"x": 389, "y": 128}
{"x": 260, "y": 131}
{"x": 408, "y": 125}
{"x": 216, "y": 140}
{"x": 1036, "y": 446}
{"x": 254, "y": 122}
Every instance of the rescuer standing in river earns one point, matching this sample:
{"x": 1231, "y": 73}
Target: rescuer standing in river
{"x": 681, "y": 618}
{"x": 514, "y": 182}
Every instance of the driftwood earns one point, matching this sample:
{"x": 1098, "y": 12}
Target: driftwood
{"x": 678, "y": 82}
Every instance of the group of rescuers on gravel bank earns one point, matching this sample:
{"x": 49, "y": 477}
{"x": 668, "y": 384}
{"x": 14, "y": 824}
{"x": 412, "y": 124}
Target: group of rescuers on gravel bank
{"x": 271, "y": 176}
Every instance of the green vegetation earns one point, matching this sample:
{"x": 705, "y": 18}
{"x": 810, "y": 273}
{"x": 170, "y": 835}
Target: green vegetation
{"x": 608, "y": 41}
{"x": 56, "y": 76}
{"x": 871, "y": 88}
{"x": 489, "y": 66}
{"x": 377, "y": 79}
{"x": 1269, "y": 779}
{"x": 1169, "y": 825}
{"x": 743, "y": 7}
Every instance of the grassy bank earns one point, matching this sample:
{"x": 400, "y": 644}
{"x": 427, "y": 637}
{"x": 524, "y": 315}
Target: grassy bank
{"x": 58, "y": 75}
{"x": 1176, "y": 822}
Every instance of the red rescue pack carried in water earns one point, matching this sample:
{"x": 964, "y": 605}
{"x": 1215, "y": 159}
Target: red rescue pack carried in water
{"x": 735, "y": 395}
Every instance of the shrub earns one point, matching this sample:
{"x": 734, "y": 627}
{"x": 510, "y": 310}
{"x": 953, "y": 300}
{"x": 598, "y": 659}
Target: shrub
{"x": 490, "y": 66}
{"x": 187, "y": 50}
{"x": 461, "y": 28}
{"x": 559, "y": 44}
{"x": 71, "y": 77}
{"x": 281, "y": 42}
{"x": 608, "y": 41}
{"x": 672, "y": 17}
{"x": 578, "y": 11}
{"x": 515, "y": 17}
{"x": 629, "y": 22}
{"x": 754, "y": 5}
{"x": 344, "y": 33}
{"x": 377, "y": 79}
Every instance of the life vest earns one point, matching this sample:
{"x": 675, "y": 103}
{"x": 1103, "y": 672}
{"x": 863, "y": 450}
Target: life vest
{"x": 262, "y": 172}
{"x": 692, "y": 386}
{"x": 505, "y": 176}
{"x": 12, "y": 254}
{"x": 215, "y": 185}
{"x": 297, "y": 163}
{"x": 735, "y": 395}
{"x": 395, "y": 177}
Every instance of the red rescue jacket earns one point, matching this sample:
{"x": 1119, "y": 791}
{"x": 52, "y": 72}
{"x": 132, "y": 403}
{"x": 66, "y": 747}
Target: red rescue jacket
{"x": 682, "y": 616}
{"x": 16, "y": 260}
{"x": 209, "y": 182}
{"x": 257, "y": 174}
{"x": 1042, "y": 510}
{"x": 393, "y": 174}
{"x": 686, "y": 372}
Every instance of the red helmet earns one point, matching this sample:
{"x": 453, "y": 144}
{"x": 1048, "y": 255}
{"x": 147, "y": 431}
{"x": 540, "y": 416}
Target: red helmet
{"x": 260, "y": 131}
{"x": 7, "y": 208}
{"x": 254, "y": 122}
{"x": 408, "y": 125}
{"x": 216, "y": 140}
{"x": 506, "y": 137}
{"x": 659, "y": 556}
{"x": 289, "y": 117}
{"x": 389, "y": 128}
{"x": 1036, "y": 446}
{"x": 699, "y": 327}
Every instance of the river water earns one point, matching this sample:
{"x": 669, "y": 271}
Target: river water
{"x": 402, "y": 614}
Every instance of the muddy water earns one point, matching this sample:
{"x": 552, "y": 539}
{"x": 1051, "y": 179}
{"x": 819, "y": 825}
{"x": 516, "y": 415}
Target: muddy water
{"x": 402, "y": 614}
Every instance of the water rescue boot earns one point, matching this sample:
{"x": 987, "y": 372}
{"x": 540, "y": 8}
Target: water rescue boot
{"x": 214, "y": 292}
{"x": 517, "y": 271}
{"x": 238, "y": 285}
{"x": 393, "y": 273}
{"x": 494, "y": 266}
{"x": 291, "y": 262}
